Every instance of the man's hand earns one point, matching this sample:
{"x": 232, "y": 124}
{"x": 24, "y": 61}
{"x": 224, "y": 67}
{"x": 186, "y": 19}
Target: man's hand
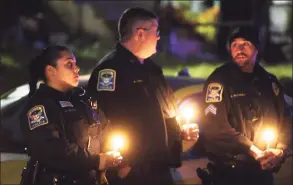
{"x": 124, "y": 171}
{"x": 109, "y": 160}
{"x": 190, "y": 131}
{"x": 255, "y": 152}
{"x": 270, "y": 158}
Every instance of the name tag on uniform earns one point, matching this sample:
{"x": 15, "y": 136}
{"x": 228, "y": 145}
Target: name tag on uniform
{"x": 137, "y": 81}
{"x": 65, "y": 104}
{"x": 237, "y": 95}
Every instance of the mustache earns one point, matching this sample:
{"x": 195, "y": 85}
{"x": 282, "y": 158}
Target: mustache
{"x": 240, "y": 55}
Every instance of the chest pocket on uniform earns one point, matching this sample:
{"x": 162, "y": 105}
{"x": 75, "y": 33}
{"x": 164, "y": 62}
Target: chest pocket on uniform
{"x": 75, "y": 126}
{"x": 93, "y": 130}
{"x": 82, "y": 127}
{"x": 137, "y": 82}
{"x": 247, "y": 103}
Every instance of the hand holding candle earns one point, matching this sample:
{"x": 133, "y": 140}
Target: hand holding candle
{"x": 190, "y": 131}
{"x": 271, "y": 157}
{"x": 117, "y": 143}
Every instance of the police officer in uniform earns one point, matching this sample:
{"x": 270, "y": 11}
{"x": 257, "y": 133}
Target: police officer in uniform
{"x": 61, "y": 129}
{"x": 136, "y": 98}
{"x": 242, "y": 101}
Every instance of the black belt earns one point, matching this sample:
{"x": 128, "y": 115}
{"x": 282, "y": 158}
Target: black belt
{"x": 235, "y": 161}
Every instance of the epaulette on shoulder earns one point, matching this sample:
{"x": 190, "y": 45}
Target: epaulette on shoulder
{"x": 106, "y": 59}
{"x": 219, "y": 71}
{"x": 155, "y": 66}
{"x": 271, "y": 76}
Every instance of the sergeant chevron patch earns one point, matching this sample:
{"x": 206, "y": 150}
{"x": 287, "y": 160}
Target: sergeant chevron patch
{"x": 211, "y": 109}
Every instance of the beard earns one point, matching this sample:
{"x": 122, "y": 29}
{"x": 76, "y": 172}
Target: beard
{"x": 243, "y": 62}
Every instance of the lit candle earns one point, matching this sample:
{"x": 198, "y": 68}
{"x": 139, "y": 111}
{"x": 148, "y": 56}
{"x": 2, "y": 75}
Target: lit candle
{"x": 117, "y": 142}
{"x": 268, "y": 137}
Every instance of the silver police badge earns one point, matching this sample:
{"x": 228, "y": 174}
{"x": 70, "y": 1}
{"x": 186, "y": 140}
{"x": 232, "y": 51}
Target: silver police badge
{"x": 106, "y": 80}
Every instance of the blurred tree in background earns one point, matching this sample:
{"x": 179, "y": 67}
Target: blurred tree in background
{"x": 193, "y": 33}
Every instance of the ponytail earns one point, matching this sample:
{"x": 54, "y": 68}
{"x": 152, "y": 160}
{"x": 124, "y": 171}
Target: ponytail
{"x": 35, "y": 75}
{"x": 48, "y": 56}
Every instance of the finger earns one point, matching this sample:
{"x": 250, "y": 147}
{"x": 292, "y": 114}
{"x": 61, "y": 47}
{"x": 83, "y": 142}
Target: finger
{"x": 261, "y": 158}
{"x": 194, "y": 131}
{"x": 266, "y": 161}
{"x": 194, "y": 135}
{"x": 268, "y": 152}
{"x": 264, "y": 156}
{"x": 267, "y": 166}
{"x": 276, "y": 161}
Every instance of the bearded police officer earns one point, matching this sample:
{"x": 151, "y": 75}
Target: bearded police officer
{"x": 241, "y": 102}
{"x": 131, "y": 90}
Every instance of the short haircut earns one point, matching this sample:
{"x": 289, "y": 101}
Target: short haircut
{"x": 129, "y": 17}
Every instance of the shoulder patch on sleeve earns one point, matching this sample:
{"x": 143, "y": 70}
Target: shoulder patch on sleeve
{"x": 37, "y": 117}
{"x": 106, "y": 80}
{"x": 214, "y": 93}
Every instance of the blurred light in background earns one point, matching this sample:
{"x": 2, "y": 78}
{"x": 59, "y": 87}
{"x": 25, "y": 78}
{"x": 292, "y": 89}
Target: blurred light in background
{"x": 196, "y": 12}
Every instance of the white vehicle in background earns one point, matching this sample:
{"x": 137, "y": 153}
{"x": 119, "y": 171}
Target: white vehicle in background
{"x": 188, "y": 91}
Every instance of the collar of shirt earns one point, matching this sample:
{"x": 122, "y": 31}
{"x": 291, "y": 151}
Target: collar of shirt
{"x": 128, "y": 56}
{"x": 49, "y": 91}
{"x": 258, "y": 72}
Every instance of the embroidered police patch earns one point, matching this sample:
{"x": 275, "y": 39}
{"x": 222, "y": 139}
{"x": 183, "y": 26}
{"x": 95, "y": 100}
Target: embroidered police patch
{"x": 214, "y": 93}
{"x": 106, "y": 80}
{"x": 65, "y": 104}
{"x": 275, "y": 88}
{"x": 37, "y": 117}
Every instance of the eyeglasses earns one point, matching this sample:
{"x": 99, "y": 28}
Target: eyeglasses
{"x": 149, "y": 29}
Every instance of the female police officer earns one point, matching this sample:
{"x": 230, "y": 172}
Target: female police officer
{"x": 61, "y": 130}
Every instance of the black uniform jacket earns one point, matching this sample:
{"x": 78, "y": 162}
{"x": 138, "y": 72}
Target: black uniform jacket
{"x": 138, "y": 102}
{"x": 239, "y": 107}
{"x": 62, "y": 132}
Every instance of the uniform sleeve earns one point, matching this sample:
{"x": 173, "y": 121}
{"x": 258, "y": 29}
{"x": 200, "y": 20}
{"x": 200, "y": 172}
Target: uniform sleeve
{"x": 285, "y": 125}
{"x": 217, "y": 129}
{"x": 115, "y": 104}
{"x": 109, "y": 96}
{"x": 170, "y": 109}
{"x": 48, "y": 145}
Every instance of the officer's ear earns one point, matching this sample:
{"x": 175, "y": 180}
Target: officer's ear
{"x": 50, "y": 70}
{"x": 139, "y": 35}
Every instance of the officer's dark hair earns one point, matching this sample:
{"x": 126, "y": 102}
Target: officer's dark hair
{"x": 129, "y": 17}
{"x": 48, "y": 56}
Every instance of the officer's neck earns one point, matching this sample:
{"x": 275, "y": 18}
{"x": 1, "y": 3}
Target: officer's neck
{"x": 134, "y": 50}
{"x": 59, "y": 87}
{"x": 248, "y": 68}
